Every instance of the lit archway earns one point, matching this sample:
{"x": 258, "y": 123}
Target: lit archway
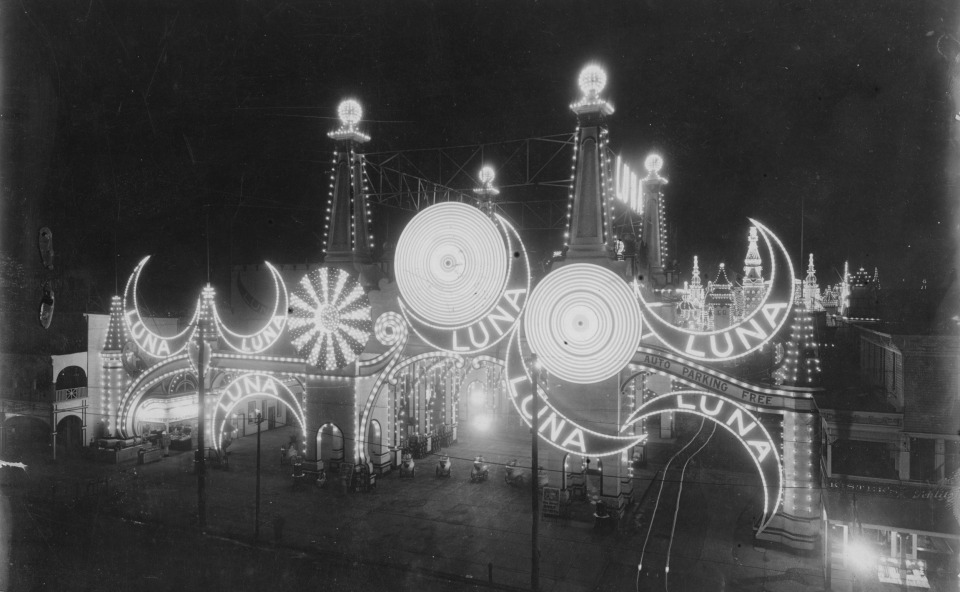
{"x": 330, "y": 444}
{"x": 737, "y": 420}
{"x": 374, "y": 440}
{"x": 252, "y": 386}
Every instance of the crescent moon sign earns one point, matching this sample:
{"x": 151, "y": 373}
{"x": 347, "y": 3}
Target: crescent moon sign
{"x": 262, "y": 340}
{"x": 149, "y": 342}
{"x": 740, "y": 422}
{"x": 748, "y": 335}
{"x": 497, "y": 323}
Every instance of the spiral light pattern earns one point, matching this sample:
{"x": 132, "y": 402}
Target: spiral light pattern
{"x": 330, "y": 320}
{"x": 389, "y": 328}
{"x": 583, "y": 322}
{"x": 451, "y": 264}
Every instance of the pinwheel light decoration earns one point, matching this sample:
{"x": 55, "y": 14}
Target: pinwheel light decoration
{"x": 330, "y": 318}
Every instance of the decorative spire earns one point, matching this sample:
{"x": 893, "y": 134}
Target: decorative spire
{"x": 348, "y": 237}
{"x": 752, "y": 264}
{"x": 695, "y": 280}
{"x": 116, "y": 329}
{"x": 811, "y": 272}
{"x": 487, "y": 193}
{"x": 589, "y": 236}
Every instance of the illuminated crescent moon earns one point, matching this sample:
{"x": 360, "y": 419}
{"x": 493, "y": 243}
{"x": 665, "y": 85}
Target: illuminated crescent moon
{"x": 149, "y": 342}
{"x": 263, "y": 339}
{"x": 748, "y": 335}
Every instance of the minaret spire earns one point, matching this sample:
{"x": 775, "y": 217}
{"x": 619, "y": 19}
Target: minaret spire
{"x": 348, "y": 237}
{"x": 753, "y": 285}
{"x": 589, "y": 226}
{"x": 653, "y": 235}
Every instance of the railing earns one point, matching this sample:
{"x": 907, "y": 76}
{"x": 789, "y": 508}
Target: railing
{"x": 69, "y": 394}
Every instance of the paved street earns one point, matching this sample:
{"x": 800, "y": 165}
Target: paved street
{"x": 431, "y": 532}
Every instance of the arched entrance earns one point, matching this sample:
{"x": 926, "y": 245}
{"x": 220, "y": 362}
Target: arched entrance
{"x": 70, "y": 434}
{"x": 71, "y": 377}
{"x": 330, "y": 445}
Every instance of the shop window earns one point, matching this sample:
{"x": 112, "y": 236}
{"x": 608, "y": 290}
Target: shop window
{"x": 951, "y": 457}
{"x": 923, "y": 460}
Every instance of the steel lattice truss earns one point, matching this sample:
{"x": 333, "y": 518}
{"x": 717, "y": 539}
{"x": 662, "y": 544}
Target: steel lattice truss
{"x": 533, "y": 176}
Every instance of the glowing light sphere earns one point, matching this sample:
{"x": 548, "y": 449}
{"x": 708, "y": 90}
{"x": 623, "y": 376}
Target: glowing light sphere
{"x": 451, "y": 265}
{"x": 330, "y": 318}
{"x": 350, "y": 112}
{"x": 389, "y": 328}
{"x": 653, "y": 163}
{"x": 487, "y": 175}
{"x": 592, "y": 80}
{"x": 583, "y": 322}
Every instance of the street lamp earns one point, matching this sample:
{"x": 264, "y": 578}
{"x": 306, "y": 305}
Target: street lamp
{"x": 256, "y": 529}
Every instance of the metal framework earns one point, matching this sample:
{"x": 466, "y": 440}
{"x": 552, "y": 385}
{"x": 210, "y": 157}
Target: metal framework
{"x": 533, "y": 175}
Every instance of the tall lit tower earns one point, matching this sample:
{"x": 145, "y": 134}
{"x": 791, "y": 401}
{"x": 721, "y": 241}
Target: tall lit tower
{"x": 653, "y": 234}
{"x": 348, "y": 238}
{"x": 753, "y": 286}
{"x": 811, "y": 291}
{"x": 588, "y": 230}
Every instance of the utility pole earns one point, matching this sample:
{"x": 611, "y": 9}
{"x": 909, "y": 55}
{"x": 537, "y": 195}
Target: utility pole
{"x": 201, "y": 459}
{"x": 535, "y": 480}
{"x": 256, "y": 526}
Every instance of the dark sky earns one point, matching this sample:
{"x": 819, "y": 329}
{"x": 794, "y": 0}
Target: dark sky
{"x": 123, "y": 120}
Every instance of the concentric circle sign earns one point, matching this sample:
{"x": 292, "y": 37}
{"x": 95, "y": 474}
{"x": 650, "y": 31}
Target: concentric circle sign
{"x": 451, "y": 265}
{"x": 583, "y": 322}
{"x": 330, "y": 320}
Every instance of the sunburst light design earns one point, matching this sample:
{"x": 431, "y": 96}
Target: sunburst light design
{"x": 329, "y": 318}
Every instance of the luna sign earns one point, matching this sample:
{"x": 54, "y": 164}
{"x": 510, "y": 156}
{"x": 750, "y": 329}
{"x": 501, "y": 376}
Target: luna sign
{"x": 159, "y": 346}
{"x": 736, "y": 419}
{"x": 744, "y": 337}
{"x": 463, "y": 276}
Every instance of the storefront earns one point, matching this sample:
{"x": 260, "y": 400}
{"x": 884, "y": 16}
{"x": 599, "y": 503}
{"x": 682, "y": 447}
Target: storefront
{"x": 890, "y": 533}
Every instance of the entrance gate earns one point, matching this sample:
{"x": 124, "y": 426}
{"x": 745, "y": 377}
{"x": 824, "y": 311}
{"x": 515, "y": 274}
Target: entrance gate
{"x": 788, "y": 473}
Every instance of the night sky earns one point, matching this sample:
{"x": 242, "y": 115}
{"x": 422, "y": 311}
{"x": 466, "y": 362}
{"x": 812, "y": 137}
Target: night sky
{"x": 163, "y": 128}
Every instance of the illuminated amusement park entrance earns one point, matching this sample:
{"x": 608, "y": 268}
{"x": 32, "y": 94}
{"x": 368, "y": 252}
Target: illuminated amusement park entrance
{"x": 567, "y": 349}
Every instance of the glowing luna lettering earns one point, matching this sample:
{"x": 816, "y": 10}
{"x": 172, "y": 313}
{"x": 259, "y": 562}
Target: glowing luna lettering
{"x": 722, "y": 345}
{"x": 246, "y": 386}
{"x": 152, "y": 344}
{"x": 490, "y": 328}
{"x": 258, "y": 342}
{"x": 559, "y": 429}
{"x": 760, "y": 448}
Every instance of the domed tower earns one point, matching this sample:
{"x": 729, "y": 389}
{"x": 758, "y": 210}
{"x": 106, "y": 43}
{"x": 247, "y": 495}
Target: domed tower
{"x": 811, "y": 291}
{"x": 753, "y": 285}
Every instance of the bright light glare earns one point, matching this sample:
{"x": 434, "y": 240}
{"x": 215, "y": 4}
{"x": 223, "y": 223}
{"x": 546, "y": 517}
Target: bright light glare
{"x": 478, "y": 395}
{"x": 487, "y": 175}
{"x": 592, "y": 80}
{"x": 350, "y": 112}
{"x": 482, "y": 422}
{"x": 860, "y": 555}
{"x": 653, "y": 163}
